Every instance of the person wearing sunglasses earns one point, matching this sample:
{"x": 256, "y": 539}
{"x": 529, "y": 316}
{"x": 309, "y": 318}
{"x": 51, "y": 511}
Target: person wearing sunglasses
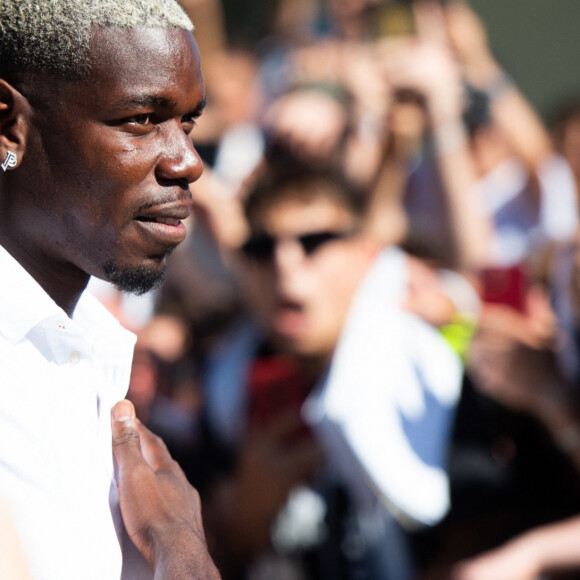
{"x": 333, "y": 404}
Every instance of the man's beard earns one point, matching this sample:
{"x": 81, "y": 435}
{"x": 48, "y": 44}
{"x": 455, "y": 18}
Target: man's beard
{"x": 135, "y": 280}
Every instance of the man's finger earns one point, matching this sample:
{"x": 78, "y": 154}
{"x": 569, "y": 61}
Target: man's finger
{"x": 154, "y": 449}
{"x": 126, "y": 445}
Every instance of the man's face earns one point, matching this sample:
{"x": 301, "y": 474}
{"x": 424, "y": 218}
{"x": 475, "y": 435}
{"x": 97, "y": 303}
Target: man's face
{"x": 110, "y": 159}
{"x": 302, "y": 298}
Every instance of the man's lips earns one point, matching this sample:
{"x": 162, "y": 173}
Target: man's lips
{"x": 169, "y": 214}
{"x": 168, "y": 221}
{"x": 162, "y": 225}
{"x": 290, "y": 317}
{"x": 290, "y": 304}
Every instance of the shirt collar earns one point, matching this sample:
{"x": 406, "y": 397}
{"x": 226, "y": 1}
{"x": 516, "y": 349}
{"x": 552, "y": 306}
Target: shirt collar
{"x": 25, "y": 305}
{"x": 23, "y": 302}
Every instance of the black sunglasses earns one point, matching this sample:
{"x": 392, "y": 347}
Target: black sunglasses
{"x": 260, "y": 247}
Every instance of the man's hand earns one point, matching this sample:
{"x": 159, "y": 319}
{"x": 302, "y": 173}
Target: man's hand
{"x": 161, "y": 511}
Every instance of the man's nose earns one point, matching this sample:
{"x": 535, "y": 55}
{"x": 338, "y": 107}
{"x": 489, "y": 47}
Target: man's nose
{"x": 179, "y": 161}
{"x": 288, "y": 255}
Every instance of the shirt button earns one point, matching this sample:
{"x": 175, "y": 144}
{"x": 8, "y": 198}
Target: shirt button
{"x": 73, "y": 358}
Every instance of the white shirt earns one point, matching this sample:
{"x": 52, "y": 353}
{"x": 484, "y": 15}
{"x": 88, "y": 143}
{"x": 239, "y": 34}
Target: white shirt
{"x": 518, "y": 227}
{"x": 504, "y": 196}
{"x": 59, "y": 378}
{"x": 390, "y": 397}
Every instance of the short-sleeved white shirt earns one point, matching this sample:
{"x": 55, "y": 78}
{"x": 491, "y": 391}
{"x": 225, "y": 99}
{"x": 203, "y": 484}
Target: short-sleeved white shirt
{"x": 59, "y": 378}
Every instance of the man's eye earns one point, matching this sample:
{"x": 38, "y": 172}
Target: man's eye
{"x": 189, "y": 121}
{"x": 144, "y": 119}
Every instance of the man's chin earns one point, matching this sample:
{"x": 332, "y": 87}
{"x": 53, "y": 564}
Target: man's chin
{"x": 134, "y": 280}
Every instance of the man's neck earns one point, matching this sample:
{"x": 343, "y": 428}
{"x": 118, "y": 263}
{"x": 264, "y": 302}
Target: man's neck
{"x": 63, "y": 282}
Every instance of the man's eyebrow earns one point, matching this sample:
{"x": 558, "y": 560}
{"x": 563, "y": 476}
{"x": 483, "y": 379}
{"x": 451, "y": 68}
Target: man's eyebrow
{"x": 200, "y": 107}
{"x": 142, "y": 101}
{"x": 152, "y": 101}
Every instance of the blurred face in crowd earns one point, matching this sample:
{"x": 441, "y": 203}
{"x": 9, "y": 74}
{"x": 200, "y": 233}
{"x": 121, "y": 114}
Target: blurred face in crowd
{"x": 303, "y": 263}
{"x": 103, "y": 185}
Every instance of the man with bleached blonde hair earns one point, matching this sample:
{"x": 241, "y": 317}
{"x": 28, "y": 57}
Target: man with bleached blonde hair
{"x": 97, "y": 103}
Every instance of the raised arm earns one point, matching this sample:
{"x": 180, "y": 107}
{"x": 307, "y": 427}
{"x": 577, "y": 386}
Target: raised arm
{"x": 510, "y": 110}
{"x": 428, "y": 69}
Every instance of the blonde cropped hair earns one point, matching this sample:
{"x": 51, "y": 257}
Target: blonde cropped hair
{"x": 53, "y": 36}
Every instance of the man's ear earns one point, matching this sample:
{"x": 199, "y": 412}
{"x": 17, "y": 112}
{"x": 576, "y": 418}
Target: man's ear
{"x": 14, "y": 123}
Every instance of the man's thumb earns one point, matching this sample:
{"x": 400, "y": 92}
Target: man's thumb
{"x": 124, "y": 427}
{"x": 123, "y": 412}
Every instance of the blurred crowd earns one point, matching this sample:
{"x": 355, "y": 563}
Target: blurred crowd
{"x": 366, "y": 354}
